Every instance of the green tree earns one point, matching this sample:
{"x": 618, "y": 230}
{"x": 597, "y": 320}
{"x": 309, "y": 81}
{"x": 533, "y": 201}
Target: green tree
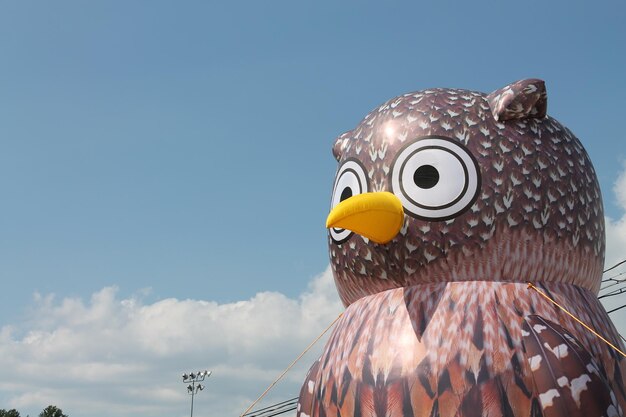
{"x": 10, "y": 413}
{"x": 52, "y": 411}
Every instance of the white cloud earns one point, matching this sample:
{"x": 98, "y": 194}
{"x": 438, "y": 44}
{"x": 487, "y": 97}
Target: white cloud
{"x": 122, "y": 357}
{"x": 616, "y": 229}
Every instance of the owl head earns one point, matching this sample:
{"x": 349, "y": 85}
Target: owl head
{"x": 455, "y": 185}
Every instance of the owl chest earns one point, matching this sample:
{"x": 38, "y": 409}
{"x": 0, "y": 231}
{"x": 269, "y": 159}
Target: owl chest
{"x": 386, "y": 339}
{"x": 389, "y": 354}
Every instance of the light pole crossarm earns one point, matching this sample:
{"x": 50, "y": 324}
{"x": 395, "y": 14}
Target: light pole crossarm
{"x": 192, "y": 379}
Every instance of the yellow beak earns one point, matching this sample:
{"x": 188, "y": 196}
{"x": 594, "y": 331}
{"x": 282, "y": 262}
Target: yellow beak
{"x": 376, "y": 216}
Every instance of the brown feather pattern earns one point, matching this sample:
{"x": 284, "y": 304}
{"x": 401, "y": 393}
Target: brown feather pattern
{"x": 414, "y": 350}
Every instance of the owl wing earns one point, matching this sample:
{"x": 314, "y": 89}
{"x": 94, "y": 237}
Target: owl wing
{"x": 306, "y": 400}
{"x": 566, "y": 378}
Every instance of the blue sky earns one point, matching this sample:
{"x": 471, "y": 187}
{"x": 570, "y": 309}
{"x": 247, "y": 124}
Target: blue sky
{"x": 182, "y": 150}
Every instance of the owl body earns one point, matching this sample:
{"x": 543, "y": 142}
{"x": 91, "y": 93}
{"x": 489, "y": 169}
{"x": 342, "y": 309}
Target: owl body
{"x": 481, "y": 194}
{"x": 455, "y": 349}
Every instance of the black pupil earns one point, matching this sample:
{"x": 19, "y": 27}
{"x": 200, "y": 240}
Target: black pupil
{"x": 426, "y": 176}
{"x": 345, "y": 194}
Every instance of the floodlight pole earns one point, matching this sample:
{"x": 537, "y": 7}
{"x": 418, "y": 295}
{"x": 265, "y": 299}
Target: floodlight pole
{"x": 192, "y": 378}
{"x": 192, "y": 395}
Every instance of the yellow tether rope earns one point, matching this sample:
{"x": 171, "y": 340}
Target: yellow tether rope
{"x": 530, "y": 285}
{"x": 291, "y": 365}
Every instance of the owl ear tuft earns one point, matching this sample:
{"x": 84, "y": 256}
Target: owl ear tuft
{"x": 520, "y": 100}
{"x": 340, "y": 144}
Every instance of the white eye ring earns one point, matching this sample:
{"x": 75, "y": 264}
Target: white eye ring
{"x": 350, "y": 180}
{"x": 436, "y": 178}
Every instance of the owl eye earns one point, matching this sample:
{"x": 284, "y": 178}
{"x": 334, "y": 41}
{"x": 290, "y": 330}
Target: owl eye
{"x": 350, "y": 181}
{"x": 435, "y": 178}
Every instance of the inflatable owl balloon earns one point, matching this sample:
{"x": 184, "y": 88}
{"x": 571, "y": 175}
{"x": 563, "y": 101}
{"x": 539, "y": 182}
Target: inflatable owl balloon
{"x": 446, "y": 203}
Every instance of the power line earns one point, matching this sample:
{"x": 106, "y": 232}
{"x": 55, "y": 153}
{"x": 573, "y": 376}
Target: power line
{"x": 615, "y": 309}
{"x": 613, "y": 293}
{"x": 617, "y": 291}
{"x": 611, "y": 278}
{"x": 282, "y": 411}
{"x": 613, "y": 267}
{"x": 617, "y": 282}
{"x": 272, "y": 407}
{"x": 286, "y": 410}
{"x": 614, "y": 280}
{"x": 275, "y": 409}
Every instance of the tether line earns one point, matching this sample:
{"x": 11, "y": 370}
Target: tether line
{"x": 530, "y": 285}
{"x": 291, "y": 365}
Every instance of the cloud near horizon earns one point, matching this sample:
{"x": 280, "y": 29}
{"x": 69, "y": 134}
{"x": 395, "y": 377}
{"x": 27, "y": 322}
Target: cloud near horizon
{"x": 121, "y": 357}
